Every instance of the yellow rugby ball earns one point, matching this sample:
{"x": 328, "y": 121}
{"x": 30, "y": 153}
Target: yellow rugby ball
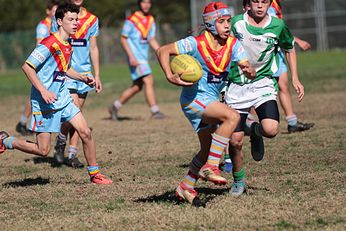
{"x": 188, "y": 66}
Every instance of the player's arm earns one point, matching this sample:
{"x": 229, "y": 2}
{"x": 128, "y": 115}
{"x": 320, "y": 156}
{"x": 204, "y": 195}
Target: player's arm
{"x": 304, "y": 45}
{"x": 154, "y": 44}
{"x": 292, "y": 64}
{"x": 72, "y": 73}
{"x": 95, "y": 60}
{"x": 30, "y": 72}
{"x": 163, "y": 53}
{"x": 126, "y": 47}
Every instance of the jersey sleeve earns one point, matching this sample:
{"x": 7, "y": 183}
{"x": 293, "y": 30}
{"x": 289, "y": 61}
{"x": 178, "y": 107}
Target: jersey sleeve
{"x": 41, "y": 31}
{"x": 238, "y": 53}
{"x": 94, "y": 30}
{"x": 186, "y": 46}
{"x": 127, "y": 29}
{"x": 286, "y": 39}
{"x": 152, "y": 31}
{"x": 54, "y": 26}
{"x": 38, "y": 57}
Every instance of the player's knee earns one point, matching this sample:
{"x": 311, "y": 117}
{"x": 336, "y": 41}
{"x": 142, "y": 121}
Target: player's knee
{"x": 271, "y": 132}
{"x": 233, "y": 117}
{"x": 44, "y": 151}
{"x": 85, "y": 134}
{"x": 236, "y": 144}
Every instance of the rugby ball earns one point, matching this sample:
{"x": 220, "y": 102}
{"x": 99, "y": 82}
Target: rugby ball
{"x": 189, "y": 68}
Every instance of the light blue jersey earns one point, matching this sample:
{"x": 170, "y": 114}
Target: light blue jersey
{"x": 88, "y": 26}
{"x": 43, "y": 29}
{"x": 216, "y": 65}
{"x": 139, "y": 30}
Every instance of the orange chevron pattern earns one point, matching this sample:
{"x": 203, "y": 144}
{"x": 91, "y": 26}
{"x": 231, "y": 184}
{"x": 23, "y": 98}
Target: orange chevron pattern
{"x": 142, "y": 23}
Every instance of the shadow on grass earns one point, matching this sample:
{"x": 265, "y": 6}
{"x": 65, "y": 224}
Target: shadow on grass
{"x": 49, "y": 160}
{"x": 206, "y": 195}
{"x": 27, "y": 182}
{"x": 123, "y": 118}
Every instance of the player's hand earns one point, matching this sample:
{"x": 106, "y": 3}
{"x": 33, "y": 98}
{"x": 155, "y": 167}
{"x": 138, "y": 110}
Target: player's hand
{"x": 89, "y": 80}
{"x": 176, "y": 80}
{"x": 304, "y": 45}
{"x": 48, "y": 97}
{"x": 299, "y": 89}
{"x": 133, "y": 62}
{"x": 98, "y": 85}
{"x": 249, "y": 71}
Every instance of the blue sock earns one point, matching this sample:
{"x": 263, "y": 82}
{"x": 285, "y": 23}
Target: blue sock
{"x": 292, "y": 120}
{"x": 8, "y": 142}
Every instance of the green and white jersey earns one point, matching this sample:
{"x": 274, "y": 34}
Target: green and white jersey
{"x": 261, "y": 45}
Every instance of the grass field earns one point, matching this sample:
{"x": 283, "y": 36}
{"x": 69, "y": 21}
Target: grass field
{"x": 300, "y": 184}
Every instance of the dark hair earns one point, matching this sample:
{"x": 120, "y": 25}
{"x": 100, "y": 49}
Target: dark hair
{"x": 64, "y": 8}
{"x": 246, "y": 2}
{"x": 52, "y": 3}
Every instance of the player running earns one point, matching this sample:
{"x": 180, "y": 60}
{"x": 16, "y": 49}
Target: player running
{"x": 47, "y": 68}
{"x": 214, "y": 49}
{"x": 137, "y": 34}
{"x": 261, "y": 35}
{"x": 85, "y": 56}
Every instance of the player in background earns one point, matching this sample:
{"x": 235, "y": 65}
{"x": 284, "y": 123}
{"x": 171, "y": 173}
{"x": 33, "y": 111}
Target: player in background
{"x": 137, "y": 34}
{"x": 282, "y": 76}
{"x": 261, "y": 35}
{"x": 47, "y": 68}
{"x": 214, "y": 49}
{"x": 85, "y": 57}
{"x": 42, "y": 31}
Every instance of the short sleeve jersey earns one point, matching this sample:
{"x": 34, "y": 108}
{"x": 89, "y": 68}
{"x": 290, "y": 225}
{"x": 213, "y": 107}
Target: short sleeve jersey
{"x": 88, "y": 26}
{"x": 139, "y": 30}
{"x": 43, "y": 29}
{"x": 261, "y": 45}
{"x": 215, "y": 64}
{"x": 51, "y": 59}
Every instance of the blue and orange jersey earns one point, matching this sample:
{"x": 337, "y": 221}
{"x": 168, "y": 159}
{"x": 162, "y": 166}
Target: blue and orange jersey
{"x": 139, "y": 29}
{"x": 88, "y": 26}
{"x": 215, "y": 63}
{"x": 275, "y": 9}
{"x": 51, "y": 60}
{"x": 43, "y": 28}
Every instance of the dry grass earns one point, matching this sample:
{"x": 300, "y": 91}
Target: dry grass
{"x": 299, "y": 185}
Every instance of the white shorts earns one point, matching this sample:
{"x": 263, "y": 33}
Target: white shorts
{"x": 251, "y": 94}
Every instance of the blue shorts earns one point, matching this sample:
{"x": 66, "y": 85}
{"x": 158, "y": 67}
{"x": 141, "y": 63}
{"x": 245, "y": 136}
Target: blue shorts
{"x": 194, "y": 109}
{"x": 282, "y": 65}
{"x": 78, "y": 86}
{"x": 140, "y": 71}
{"x": 50, "y": 121}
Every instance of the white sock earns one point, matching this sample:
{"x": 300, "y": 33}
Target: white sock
{"x": 154, "y": 109}
{"x": 72, "y": 151}
{"x": 250, "y": 119}
{"x": 23, "y": 119}
{"x": 117, "y": 104}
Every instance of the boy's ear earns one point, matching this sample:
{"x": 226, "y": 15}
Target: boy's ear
{"x": 59, "y": 21}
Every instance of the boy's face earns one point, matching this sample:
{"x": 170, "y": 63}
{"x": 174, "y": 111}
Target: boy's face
{"x": 69, "y": 22}
{"x": 51, "y": 12}
{"x": 222, "y": 26}
{"x": 145, "y": 6}
{"x": 259, "y": 8}
{"x": 77, "y": 2}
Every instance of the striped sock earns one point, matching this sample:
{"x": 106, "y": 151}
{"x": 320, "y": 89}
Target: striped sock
{"x": 61, "y": 137}
{"x": 72, "y": 152}
{"x": 8, "y": 142}
{"x": 292, "y": 120}
{"x": 192, "y": 176}
{"x": 218, "y": 144}
{"x": 93, "y": 170}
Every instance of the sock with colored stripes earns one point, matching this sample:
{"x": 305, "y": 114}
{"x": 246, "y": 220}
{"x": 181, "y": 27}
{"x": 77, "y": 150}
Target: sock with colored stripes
{"x": 8, "y": 142}
{"x": 93, "y": 170}
{"x": 192, "y": 176}
{"x": 218, "y": 145}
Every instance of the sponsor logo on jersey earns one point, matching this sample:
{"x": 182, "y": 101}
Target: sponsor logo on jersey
{"x": 59, "y": 76}
{"x": 38, "y": 56}
{"x": 255, "y": 39}
{"x": 78, "y": 42}
{"x": 239, "y": 36}
{"x": 186, "y": 45}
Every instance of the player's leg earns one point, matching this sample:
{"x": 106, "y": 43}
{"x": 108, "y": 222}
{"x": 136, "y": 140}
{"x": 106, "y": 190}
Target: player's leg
{"x": 293, "y": 125}
{"x": 40, "y": 148}
{"x": 149, "y": 93}
{"x": 126, "y": 95}
{"x": 80, "y": 125}
{"x": 185, "y": 190}
{"x": 228, "y": 119}
{"x": 61, "y": 139}
{"x": 21, "y": 126}
{"x": 72, "y": 150}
